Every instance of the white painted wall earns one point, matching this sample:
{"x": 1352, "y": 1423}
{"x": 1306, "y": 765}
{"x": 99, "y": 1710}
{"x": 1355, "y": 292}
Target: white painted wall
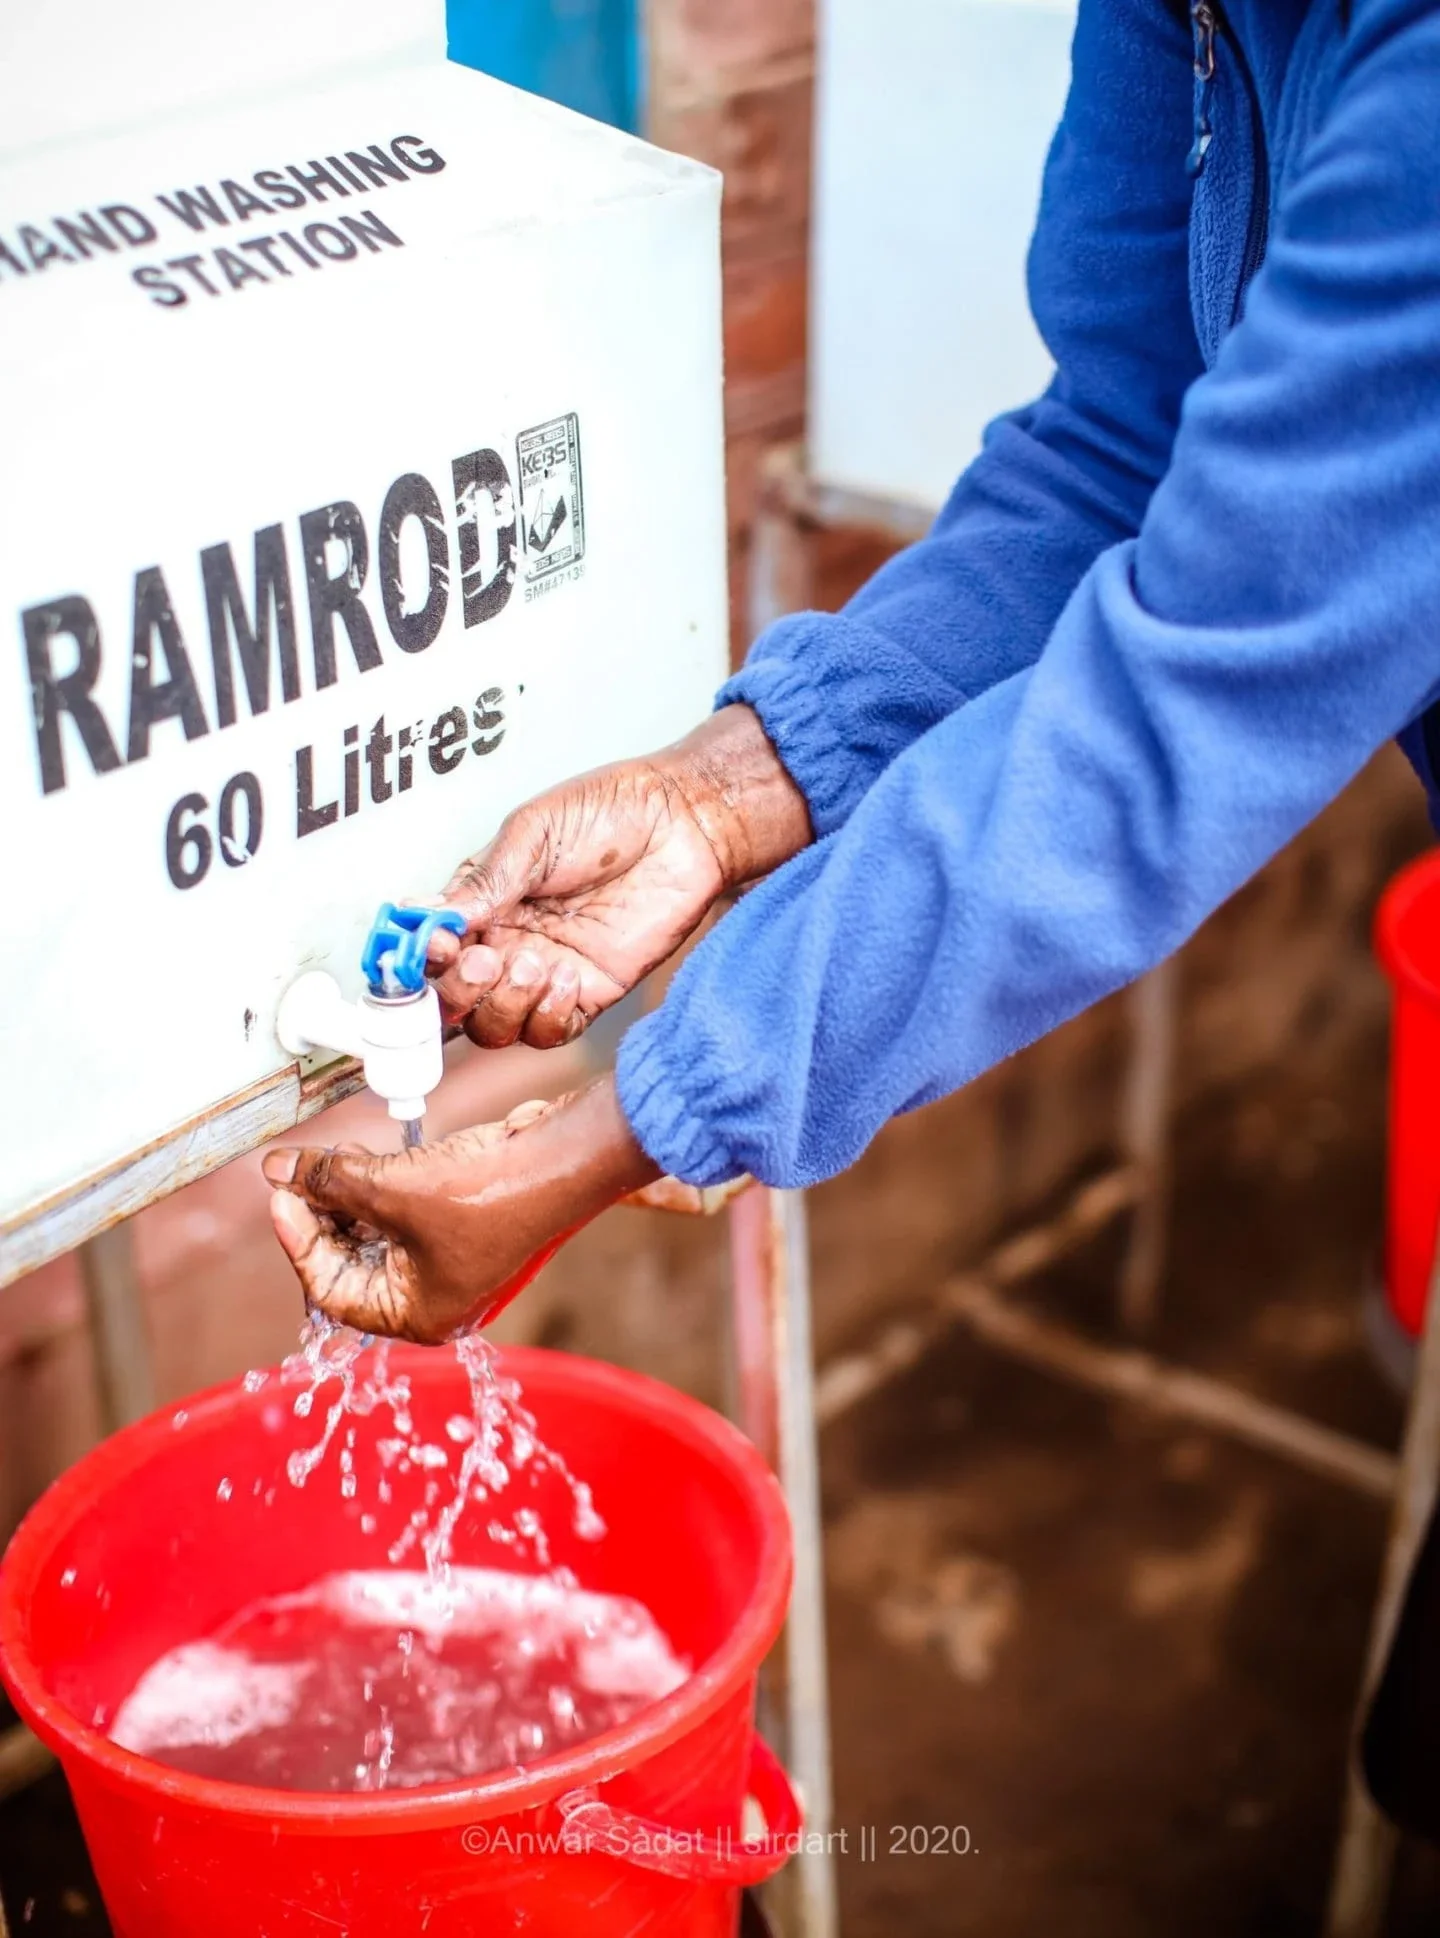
{"x": 934, "y": 118}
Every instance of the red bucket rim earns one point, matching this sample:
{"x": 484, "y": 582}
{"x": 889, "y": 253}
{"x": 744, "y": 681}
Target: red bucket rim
{"x": 651, "y": 1730}
{"x": 1415, "y": 883}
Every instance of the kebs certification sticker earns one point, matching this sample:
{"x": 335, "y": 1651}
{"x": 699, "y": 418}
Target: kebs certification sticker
{"x": 552, "y": 503}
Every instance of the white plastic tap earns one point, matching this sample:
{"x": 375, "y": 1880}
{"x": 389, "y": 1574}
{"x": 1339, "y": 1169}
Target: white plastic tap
{"x": 397, "y": 1038}
{"x": 394, "y": 1028}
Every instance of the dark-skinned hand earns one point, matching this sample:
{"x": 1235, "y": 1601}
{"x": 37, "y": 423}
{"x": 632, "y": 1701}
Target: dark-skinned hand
{"x": 581, "y": 893}
{"x": 425, "y": 1243}
{"x": 590, "y": 886}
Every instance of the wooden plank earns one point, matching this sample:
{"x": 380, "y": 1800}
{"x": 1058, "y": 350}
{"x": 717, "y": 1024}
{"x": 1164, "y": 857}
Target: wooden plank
{"x": 192, "y": 1150}
{"x": 1126, "y": 1374}
{"x": 793, "y": 491}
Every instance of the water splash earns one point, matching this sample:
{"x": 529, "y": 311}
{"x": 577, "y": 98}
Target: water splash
{"x": 498, "y": 1440}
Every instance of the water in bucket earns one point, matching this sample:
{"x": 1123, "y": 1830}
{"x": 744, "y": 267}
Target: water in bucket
{"x": 378, "y": 1678}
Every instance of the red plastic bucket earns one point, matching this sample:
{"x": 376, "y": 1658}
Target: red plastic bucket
{"x": 1407, "y": 941}
{"x": 132, "y": 1552}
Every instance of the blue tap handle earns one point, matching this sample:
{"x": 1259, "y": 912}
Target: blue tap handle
{"x": 398, "y": 943}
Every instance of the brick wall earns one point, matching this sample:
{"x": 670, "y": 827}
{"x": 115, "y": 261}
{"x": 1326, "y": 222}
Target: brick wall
{"x": 730, "y": 83}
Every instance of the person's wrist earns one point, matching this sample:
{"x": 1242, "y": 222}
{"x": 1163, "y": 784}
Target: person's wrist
{"x": 564, "y": 1168}
{"x": 618, "y": 1163}
{"x": 741, "y": 794}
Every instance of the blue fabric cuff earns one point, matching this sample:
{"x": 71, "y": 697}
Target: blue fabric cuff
{"x": 779, "y": 681}
{"x": 653, "y": 1100}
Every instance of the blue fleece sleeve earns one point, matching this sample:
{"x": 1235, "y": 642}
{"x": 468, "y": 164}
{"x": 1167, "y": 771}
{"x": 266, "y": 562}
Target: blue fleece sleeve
{"x": 1209, "y": 687}
{"x": 841, "y": 694}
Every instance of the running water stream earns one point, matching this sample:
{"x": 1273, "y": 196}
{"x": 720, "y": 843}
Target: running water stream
{"x": 350, "y": 1375}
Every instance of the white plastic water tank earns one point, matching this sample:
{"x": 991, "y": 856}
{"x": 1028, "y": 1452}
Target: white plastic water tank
{"x": 933, "y": 121}
{"x": 363, "y": 473}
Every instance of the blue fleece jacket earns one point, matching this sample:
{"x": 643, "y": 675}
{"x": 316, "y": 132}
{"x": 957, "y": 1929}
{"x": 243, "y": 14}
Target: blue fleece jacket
{"x": 1170, "y": 610}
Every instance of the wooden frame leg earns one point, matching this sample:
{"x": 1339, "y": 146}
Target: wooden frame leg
{"x": 124, "y": 1369}
{"x": 1365, "y": 1853}
{"x": 1145, "y": 1135}
{"x": 775, "y": 1404}
{"x": 780, "y": 576}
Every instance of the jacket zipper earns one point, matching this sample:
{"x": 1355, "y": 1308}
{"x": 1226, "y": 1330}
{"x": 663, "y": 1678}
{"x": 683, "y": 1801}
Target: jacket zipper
{"x": 1202, "y": 24}
{"x": 1207, "y": 23}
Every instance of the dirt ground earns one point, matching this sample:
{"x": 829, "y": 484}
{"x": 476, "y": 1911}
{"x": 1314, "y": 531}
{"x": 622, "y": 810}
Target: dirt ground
{"x": 1111, "y": 1660}
{"x": 1122, "y": 1654}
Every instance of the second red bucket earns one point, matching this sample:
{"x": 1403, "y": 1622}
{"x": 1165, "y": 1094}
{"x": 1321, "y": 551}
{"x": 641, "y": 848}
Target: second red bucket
{"x": 1407, "y": 941}
{"x": 637, "y": 1830}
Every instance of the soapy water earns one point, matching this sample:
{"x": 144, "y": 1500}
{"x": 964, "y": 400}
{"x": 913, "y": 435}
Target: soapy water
{"x": 385, "y": 1678}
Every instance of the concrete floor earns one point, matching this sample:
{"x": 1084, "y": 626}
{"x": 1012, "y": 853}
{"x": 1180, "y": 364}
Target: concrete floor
{"x": 1112, "y": 1658}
